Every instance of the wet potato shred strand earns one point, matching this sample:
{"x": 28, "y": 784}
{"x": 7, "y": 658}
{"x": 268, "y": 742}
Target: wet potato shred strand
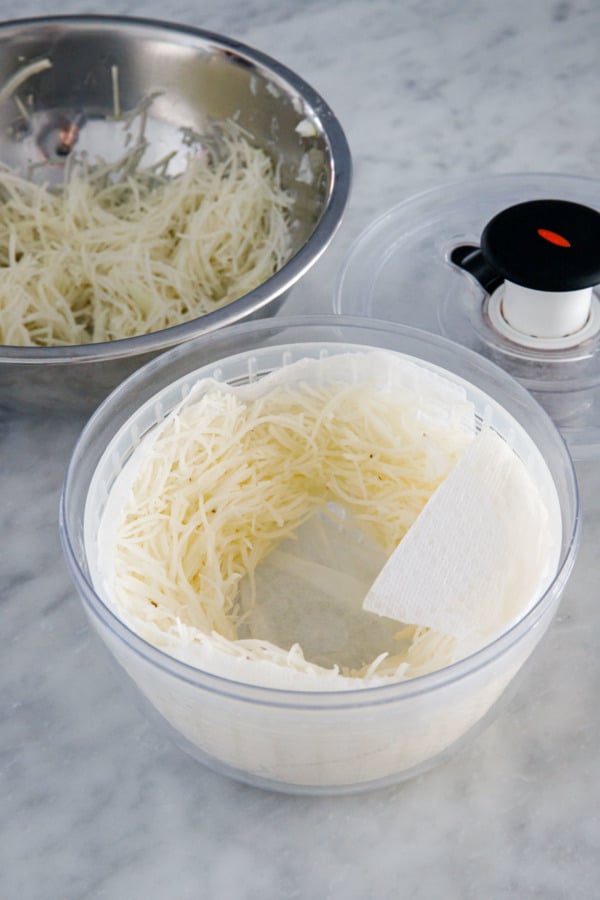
{"x": 118, "y": 251}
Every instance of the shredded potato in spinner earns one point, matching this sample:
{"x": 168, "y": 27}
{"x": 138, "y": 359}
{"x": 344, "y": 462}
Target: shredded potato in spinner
{"x": 226, "y": 479}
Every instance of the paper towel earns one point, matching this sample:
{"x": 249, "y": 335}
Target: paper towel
{"x": 476, "y": 555}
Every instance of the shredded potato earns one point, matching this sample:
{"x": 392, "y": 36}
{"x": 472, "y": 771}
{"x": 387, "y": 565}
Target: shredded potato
{"x": 226, "y": 479}
{"x": 118, "y": 251}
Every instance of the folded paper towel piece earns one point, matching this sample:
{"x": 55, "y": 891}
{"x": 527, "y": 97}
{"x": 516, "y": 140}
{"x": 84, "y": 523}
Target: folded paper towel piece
{"x": 477, "y": 555}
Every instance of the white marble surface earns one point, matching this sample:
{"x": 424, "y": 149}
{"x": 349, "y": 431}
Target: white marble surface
{"x": 94, "y": 803}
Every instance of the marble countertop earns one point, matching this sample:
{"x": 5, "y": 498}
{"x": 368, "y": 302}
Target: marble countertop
{"x": 94, "y": 802}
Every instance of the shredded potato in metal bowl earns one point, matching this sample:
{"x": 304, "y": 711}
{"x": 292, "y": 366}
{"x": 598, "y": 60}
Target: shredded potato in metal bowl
{"x": 117, "y": 250}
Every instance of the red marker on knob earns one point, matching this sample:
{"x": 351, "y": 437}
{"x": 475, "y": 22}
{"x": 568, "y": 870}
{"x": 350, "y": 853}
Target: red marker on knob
{"x": 553, "y": 238}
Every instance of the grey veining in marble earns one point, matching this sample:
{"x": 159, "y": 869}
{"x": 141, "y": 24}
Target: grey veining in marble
{"x": 94, "y": 803}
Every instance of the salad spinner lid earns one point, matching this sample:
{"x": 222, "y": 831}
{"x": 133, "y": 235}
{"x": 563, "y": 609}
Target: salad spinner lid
{"x": 507, "y": 265}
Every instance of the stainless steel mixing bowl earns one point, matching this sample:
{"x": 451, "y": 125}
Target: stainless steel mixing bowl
{"x": 202, "y": 79}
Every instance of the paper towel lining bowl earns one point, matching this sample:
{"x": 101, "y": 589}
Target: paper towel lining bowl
{"x": 303, "y": 741}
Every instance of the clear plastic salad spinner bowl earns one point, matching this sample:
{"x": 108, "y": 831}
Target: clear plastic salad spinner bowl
{"x": 318, "y": 740}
